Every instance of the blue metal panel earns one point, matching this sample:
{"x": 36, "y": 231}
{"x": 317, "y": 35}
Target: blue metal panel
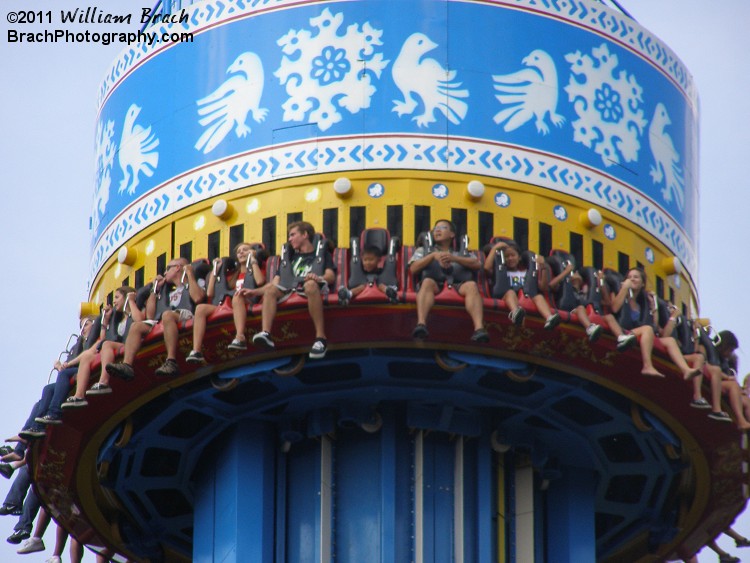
{"x": 203, "y": 517}
{"x": 233, "y": 518}
{"x": 255, "y": 491}
{"x": 471, "y": 516}
{"x": 358, "y": 497}
{"x": 485, "y": 493}
{"x": 438, "y": 498}
{"x": 571, "y": 506}
{"x": 303, "y": 503}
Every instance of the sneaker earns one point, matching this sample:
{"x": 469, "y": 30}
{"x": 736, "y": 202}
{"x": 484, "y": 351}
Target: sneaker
{"x": 238, "y": 344}
{"x": 726, "y": 558}
{"x": 480, "y": 335}
{"x": 74, "y": 403}
{"x": 593, "y": 331}
{"x": 263, "y": 340}
{"x": 5, "y": 450}
{"x": 13, "y": 509}
{"x": 319, "y": 349}
{"x": 6, "y": 470}
{"x": 18, "y": 536}
{"x": 700, "y": 404}
{"x": 720, "y": 416}
{"x": 31, "y": 545}
{"x": 99, "y": 389}
{"x": 552, "y": 321}
{"x": 391, "y": 292}
{"x": 49, "y": 419}
{"x": 195, "y": 358}
{"x": 625, "y": 341}
{"x": 123, "y": 371}
{"x": 517, "y": 315}
{"x": 170, "y": 368}
{"x": 345, "y": 296}
{"x": 54, "y": 559}
{"x": 420, "y": 332}
{"x": 33, "y": 432}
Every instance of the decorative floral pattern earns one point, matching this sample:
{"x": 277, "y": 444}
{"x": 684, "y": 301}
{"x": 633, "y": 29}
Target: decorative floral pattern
{"x": 607, "y": 102}
{"x": 331, "y": 66}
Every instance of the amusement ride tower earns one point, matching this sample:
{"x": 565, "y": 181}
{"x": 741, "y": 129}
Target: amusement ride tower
{"x": 562, "y": 124}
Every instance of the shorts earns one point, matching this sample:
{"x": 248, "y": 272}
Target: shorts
{"x": 184, "y": 316}
{"x": 300, "y": 290}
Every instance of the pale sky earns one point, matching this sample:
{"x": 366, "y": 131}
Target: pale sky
{"x": 48, "y": 104}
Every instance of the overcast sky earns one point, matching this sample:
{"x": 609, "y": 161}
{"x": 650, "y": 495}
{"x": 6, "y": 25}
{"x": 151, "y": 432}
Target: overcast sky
{"x": 47, "y": 99}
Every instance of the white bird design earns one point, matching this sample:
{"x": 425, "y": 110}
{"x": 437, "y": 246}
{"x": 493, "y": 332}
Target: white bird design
{"x": 137, "y": 154}
{"x": 428, "y": 80}
{"x": 530, "y": 92}
{"x": 227, "y": 106}
{"x": 666, "y": 158}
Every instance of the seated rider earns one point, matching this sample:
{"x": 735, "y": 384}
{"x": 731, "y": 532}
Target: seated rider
{"x": 49, "y": 409}
{"x": 370, "y": 259}
{"x": 247, "y": 264}
{"x": 724, "y": 381}
{"x": 313, "y": 285}
{"x": 439, "y": 264}
{"x": 171, "y": 302}
{"x": 115, "y": 326}
{"x": 517, "y": 270}
{"x": 632, "y": 304}
{"x": 579, "y": 299}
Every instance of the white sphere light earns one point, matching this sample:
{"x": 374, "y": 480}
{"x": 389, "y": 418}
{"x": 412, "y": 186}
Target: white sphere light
{"x": 595, "y": 218}
{"x": 342, "y": 186}
{"x": 219, "y": 208}
{"x": 475, "y": 189}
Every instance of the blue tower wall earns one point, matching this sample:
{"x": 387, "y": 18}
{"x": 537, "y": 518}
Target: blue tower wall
{"x": 572, "y": 97}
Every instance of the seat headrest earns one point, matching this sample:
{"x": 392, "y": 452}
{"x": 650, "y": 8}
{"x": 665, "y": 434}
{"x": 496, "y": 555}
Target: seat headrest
{"x": 376, "y": 237}
{"x": 201, "y": 268}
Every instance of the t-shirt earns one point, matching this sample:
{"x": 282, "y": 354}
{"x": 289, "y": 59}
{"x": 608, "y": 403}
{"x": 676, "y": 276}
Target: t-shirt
{"x": 516, "y": 279}
{"x": 419, "y": 254}
{"x": 240, "y": 281}
{"x": 302, "y": 263}
{"x": 175, "y": 296}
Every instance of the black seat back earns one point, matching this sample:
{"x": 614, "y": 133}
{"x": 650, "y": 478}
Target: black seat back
{"x": 287, "y": 277}
{"x": 387, "y": 246}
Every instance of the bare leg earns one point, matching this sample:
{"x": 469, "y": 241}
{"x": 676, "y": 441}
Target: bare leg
{"x": 735, "y": 536}
{"x": 735, "y": 401}
{"x": 511, "y": 300}
{"x": 170, "y": 323}
{"x": 270, "y": 303}
{"x": 542, "y": 305}
{"x": 239, "y": 313}
{"x": 425, "y": 299}
{"x": 109, "y": 352}
{"x": 42, "y": 522}
{"x": 674, "y": 352}
{"x": 76, "y": 551}
{"x": 714, "y": 373}
{"x": 61, "y": 538}
{"x": 83, "y": 376}
{"x": 583, "y": 318}
{"x": 136, "y": 334}
{"x": 473, "y": 303}
{"x": 646, "y": 340}
{"x": 613, "y": 325}
{"x": 202, "y": 312}
{"x": 315, "y": 307}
